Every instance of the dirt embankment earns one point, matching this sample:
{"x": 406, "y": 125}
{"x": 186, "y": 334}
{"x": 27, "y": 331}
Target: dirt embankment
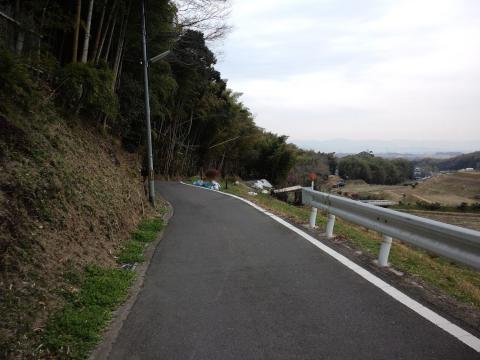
{"x": 69, "y": 196}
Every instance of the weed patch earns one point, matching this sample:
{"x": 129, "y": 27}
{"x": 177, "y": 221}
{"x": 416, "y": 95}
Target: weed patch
{"x": 152, "y": 225}
{"x": 74, "y": 331}
{"x": 91, "y": 298}
{"x": 147, "y": 231}
{"x": 131, "y": 253}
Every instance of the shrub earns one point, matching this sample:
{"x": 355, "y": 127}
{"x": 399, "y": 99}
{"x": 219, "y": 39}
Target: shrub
{"x": 88, "y": 89}
{"x": 463, "y": 206}
{"x": 429, "y": 206}
{"x": 475, "y": 206}
{"x": 15, "y": 83}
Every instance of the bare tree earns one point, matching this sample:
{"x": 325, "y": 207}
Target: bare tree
{"x": 86, "y": 40}
{"x": 207, "y": 16}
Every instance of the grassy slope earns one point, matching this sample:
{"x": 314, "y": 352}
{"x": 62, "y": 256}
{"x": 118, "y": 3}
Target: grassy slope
{"x": 73, "y": 331}
{"x": 69, "y": 197}
{"x": 461, "y": 282}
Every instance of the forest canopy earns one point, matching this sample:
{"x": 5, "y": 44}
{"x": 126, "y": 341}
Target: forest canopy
{"x": 86, "y": 57}
{"x": 375, "y": 170}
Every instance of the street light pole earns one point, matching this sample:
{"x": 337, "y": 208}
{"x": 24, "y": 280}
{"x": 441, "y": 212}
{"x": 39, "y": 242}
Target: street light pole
{"x": 151, "y": 185}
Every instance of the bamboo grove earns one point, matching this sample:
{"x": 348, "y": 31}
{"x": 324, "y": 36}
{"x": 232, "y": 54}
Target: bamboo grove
{"x": 85, "y": 56}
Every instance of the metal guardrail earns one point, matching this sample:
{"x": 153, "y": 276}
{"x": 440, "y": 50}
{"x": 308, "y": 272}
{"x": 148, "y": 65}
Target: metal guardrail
{"x": 453, "y": 242}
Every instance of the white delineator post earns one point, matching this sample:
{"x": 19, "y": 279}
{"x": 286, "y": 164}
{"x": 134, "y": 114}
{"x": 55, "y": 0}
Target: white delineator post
{"x": 330, "y": 224}
{"x": 384, "y": 251}
{"x": 313, "y": 213}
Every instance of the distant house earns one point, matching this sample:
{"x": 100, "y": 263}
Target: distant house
{"x": 417, "y": 173}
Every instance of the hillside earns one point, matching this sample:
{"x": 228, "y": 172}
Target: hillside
{"x": 446, "y": 189}
{"x": 71, "y": 104}
{"x": 69, "y": 196}
{"x": 470, "y": 160}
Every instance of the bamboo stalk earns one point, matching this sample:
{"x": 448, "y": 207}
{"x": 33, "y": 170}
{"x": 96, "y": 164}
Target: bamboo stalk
{"x": 99, "y": 32}
{"x": 77, "y": 31}
{"x": 86, "y": 40}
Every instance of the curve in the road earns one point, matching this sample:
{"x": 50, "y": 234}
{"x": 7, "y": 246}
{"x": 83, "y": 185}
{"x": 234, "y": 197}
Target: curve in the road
{"x": 229, "y": 283}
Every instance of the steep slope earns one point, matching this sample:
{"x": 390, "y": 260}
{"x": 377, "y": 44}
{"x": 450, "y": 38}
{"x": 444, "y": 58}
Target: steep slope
{"x": 69, "y": 197}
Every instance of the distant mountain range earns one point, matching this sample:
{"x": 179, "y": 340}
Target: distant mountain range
{"x": 411, "y": 149}
{"x": 408, "y": 156}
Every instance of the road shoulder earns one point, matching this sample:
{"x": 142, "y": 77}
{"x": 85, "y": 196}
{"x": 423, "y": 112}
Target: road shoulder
{"x": 119, "y": 316}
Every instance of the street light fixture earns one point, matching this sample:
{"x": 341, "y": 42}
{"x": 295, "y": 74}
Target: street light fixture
{"x": 159, "y": 57}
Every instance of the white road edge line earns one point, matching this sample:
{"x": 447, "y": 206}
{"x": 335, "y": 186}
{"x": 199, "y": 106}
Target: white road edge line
{"x": 446, "y": 325}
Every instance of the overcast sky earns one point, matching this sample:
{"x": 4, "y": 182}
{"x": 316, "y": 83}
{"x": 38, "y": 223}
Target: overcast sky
{"x": 370, "y": 69}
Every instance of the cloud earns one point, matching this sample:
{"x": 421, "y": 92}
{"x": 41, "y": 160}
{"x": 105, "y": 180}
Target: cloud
{"x": 386, "y": 69}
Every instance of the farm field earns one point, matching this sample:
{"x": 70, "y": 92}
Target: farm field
{"x": 446, "y": 189}
{"x": 467, "y": 220}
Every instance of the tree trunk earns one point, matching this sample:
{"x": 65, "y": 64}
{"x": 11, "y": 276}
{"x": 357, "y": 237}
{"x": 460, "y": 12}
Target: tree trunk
{"x": 104, "y": 36}
{"x": 86, "y": 40}
{"x": 112, "y": 31}
{"x": 20, "y": 41}
{"x": 20, "y": 38}
{"x": 119, "y": 75}
{"x": 42, "y": 22}
{"x": 77, "y": 31}
{"x": 121, "y": 42}
{"x": 99, "y": 31}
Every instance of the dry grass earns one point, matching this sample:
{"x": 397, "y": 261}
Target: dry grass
{"x": 467, "y": 220}
{"x": 446, "y": 189}
{"x": 69, "y": 197}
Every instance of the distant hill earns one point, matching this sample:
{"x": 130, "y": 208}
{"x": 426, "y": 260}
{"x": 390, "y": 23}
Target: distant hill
{"x": 470, "y": 160}
{"x": 416, "y": 156}
{"x": 402, "y": 146}
{"x": 411, "y": 156}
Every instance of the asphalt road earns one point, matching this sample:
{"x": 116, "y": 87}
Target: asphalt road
{"x": 228, "y": 282}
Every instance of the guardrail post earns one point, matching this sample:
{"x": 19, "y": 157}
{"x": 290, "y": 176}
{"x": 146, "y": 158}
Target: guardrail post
{"x": 313, "y": 218}
{"x": 330, "y": 224}
{"x": 456, "y": 243}
{"x": 313, "y": 213}
{"x": 384, "y": 251}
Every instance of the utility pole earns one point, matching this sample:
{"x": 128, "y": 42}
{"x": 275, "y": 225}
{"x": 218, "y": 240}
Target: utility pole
{"x": 151, "y": 184}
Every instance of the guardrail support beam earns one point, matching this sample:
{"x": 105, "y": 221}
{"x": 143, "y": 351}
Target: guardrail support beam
{"x": 313, "y": 218}
{"x": 330, "y": 224}
{"x": 454, "y": 242}
{"x": 384, "y": 251}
